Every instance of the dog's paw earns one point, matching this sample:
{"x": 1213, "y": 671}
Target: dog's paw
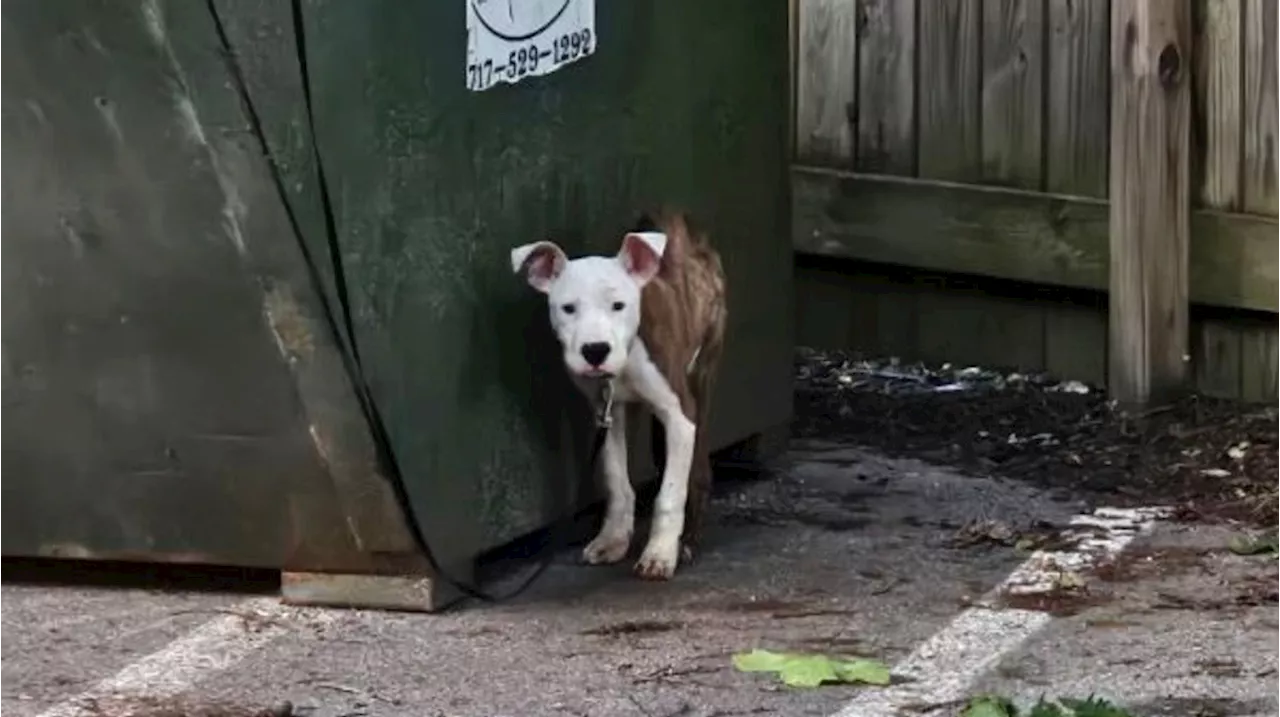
{"x": 607, "y": 548}
{"x": 657, "y": 563}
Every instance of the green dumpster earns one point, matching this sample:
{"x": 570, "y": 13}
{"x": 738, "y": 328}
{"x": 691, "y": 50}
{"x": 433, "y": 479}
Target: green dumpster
{"x": 192, "y": 315}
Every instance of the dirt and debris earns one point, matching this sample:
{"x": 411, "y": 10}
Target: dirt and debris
{"x": 1036, "y": 535}
{"x": 1200, "y": 707}
{"x": 1209, "y": 458}
{"x": 178, "y": 707}
{"x": 1251, "y": 591}
{"x": 1219, "y": 667}
{"x": 1059, "y": 601}
{"x": 634, "y": 627}
{"x": 1145, "y": 562}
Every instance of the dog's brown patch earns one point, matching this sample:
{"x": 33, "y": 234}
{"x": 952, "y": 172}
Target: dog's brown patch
{"x": 684, "y": 311}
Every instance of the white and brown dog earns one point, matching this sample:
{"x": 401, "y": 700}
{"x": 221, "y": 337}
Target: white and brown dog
{"x": 651, "y": 320}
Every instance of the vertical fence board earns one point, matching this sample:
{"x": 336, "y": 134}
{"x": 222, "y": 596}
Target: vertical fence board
{"x": 950, "y": 119}
{"x": 897, "y": 316}
{"x": 884, "y": 316}
{"x": 1075, "y": 343}
{"x": 1150, "y": 198}
{"x": 1217, "y": 103}
{"x": 1260, "y": 106}
{"x": 826, "y": 65}
{"x": 1012, "y": 91}
{"x": 825, "y": 309}
{"x": 1077, "y": 123}
{"x": 1022, "y": 93}
{"x": 886, "y": 87}
{"x": 1258, "y": 365}
{"x": 970, "y": 328}
{"x": 1215, "y": 354}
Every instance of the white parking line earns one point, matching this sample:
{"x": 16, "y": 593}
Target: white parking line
{"x": 946, "y": 666}
{"x": 214, "y": 646}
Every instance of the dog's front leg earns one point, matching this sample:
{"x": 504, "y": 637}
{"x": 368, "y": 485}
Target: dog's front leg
{"x": 662, "y": 554}
{"x": 614, "y": 539}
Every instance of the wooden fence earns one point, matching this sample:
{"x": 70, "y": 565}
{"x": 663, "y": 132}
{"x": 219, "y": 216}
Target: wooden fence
{"x": 971, "y": 138}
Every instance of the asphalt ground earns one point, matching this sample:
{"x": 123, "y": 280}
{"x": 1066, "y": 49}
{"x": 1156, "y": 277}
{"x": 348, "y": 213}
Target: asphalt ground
{"x": 840, "y": 551}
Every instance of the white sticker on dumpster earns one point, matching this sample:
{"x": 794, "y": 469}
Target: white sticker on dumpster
{"x": 511, "y": 40}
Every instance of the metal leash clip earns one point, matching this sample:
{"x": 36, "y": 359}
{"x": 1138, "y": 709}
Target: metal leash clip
{"x": 604, "y": 416}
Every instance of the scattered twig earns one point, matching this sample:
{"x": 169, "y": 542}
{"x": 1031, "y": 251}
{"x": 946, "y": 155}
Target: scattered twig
{"x": 667, "y": 673}
{"x": 338, "y": 688}
{"x": 684, "y": 708}
{"x": 818, "y": 612}
{"x": 643, "y": 710}
{"x": 931, "y": 707}
{"x": 245, "y": 617}
{"x": 888, "y": 585}
{"x": 634, "y": 627}
{"x": 353, "y": 691}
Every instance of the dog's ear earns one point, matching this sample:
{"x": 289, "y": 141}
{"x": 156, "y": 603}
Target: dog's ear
{"x": 641, "y": 254}
{"x": 541, "y": 262}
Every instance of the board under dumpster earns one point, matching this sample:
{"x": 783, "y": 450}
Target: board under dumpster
{"x": 148, "y": 269}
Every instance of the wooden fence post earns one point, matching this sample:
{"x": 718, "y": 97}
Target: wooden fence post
{"x": 1150, "y": 192}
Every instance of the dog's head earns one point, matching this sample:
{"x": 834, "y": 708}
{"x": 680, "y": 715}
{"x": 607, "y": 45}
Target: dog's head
{"x": 594, "y": 301}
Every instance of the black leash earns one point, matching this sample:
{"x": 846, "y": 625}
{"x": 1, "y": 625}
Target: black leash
{"x": 348, "y": 348}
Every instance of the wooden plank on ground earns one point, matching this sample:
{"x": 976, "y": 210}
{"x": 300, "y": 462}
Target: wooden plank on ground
{"x": 1012, "y": 92}
{"x": 1077, "y": 123}
{"x": 1260, "y": 107}
{"x": 1149, "y": 199}
{"x": 949, "y": 88}
{"x": 1015, "y": 235}
{"x": 1215, "y": 355}
{"x": 886, "y": 87}
{"x": 826, "y": 83}
{"x": 1218, "y": 103}
{"x": 406, "y": 593}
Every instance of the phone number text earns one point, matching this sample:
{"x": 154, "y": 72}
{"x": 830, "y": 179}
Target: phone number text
{"x": 482, "y": 75}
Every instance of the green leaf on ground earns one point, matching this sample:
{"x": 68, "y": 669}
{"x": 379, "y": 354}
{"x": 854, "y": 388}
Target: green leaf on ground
{"x": 995, "y": 706}
{"x": 989, "y": 706}
{"x": 1046, "y": 709}
{"x": 809, "y": 670}
{"x": 1254, "y": 544}
{"x": 1094, "y": 707}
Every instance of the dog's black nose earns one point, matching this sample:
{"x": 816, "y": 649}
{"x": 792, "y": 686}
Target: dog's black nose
{"x": 595, "y": 353}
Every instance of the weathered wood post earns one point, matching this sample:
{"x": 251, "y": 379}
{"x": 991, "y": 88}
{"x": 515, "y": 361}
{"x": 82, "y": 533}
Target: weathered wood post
{"x": 1151, "y": 67}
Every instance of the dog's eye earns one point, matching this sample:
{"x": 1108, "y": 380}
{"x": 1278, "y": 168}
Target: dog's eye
{"x": 619, "y": 306}
{"x": 568, "y": 308}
